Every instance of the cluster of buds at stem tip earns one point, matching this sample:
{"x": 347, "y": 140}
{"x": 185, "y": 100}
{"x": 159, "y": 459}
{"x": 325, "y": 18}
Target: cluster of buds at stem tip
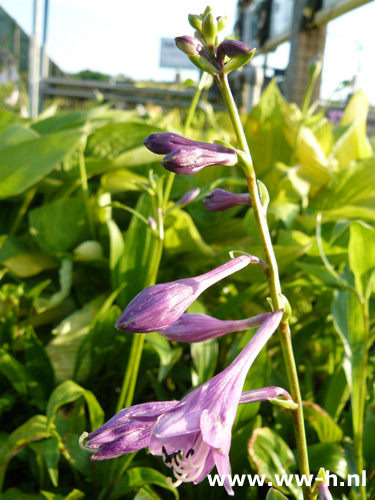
{"x": 156, "y": 308}
{"x": 187, "y": 157}
{"x": 204, "y": 50}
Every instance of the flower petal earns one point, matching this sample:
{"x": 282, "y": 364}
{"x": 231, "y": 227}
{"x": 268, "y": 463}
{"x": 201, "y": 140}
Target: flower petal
{"x": 223, "y": 468}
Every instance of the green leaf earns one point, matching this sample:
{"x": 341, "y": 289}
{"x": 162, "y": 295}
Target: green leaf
{"x": 10, "y": 136}
{"x": 51, "y": 456}
{"x": 29, "y": 264}
{"x": 122, "y": 180}
{"x": 330, "y": 456}
{"x": 327, "y": 430}
{"x": 69, "y": 391}
{"x": 181, "y": 235}
{"x": 353, "y": 144}
{"x": 22, "y": 167}
{"x": 33, "y": 429}
{"x": 336, "y": 393}
{"x": 275, "y": 495}
{"x": 362, "y": 257}
{"x": 349, "y": 321}
{"x": 57, "y": 225}
{"x": 204, "y": 356}
{"x": 264, "y": 131}
{"x": 138, "y": 477}
{"x": 270, "y": 455}
{"x": 15, "y": 372}
{"x": 116, "y": 251}
{"x": 168, "y": 356}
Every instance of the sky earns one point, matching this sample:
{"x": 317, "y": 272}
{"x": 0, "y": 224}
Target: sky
{"x": 124, "y": 37}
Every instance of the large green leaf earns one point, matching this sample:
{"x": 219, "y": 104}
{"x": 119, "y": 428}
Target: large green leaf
{"x": 349, "y": 321}
{"x": 350, "y": 194}
{"x": 327, "y": 430}
{"x": 271, "y": 456}
{"x": 181, "y": 235}
{"x": 12, "y": 135}
{"x": 23, "y": 166}
{"x": 275, "y": 495}
{"x": 67, "y": 392}
{"x": 33, "y": 429}
{"x": 362, "y": 257}
{"x": 264, "y": 131}
{"x": 139, "y": 477}
{"x": 353, "y": 144}
{"x": 57, "y": 225}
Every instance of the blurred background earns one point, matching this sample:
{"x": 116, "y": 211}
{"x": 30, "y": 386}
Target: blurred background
{"x": 129, "y": 42}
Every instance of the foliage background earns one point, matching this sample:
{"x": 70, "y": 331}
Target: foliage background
{"x": 72, "y": 258}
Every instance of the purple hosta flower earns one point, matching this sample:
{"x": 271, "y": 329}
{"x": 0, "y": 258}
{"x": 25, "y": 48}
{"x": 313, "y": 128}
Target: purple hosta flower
{"x": 159, "y": 306}
{"x": 220, "y": 200}
{"x": 324, "y": 493}
{"x": 186, "y": 157}
{"x": 192, "y": 435}
{"x": 199, "y": 327}
{"x": 189, "y": 196}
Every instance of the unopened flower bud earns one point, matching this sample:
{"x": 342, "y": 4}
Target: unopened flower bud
{"x": 166, "y": 142}
{"x": 189, "y": 196}
{"x": 191, "y": 159}
{"x": 199, "y": 327}
{"x": 209, "y": 29}
{"x": 232, "y": 48}
{"x": 195, "y": 22}
{"x": 221, "y": 23}
{"x": 158, "y": 307}
{"x": 220, "y": 200}
{"x": 189, "y": 45}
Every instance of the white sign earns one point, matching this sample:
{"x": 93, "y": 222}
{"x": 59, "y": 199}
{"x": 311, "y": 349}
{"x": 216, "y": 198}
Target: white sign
{"x": 172, "y": 57}
{"x": 281, "y": 17}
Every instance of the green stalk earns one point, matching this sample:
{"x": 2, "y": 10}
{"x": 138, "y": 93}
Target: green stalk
{"x": 273, "y": 282}
{"x": 85, "y": 191}
{"x": 189, "y": 119}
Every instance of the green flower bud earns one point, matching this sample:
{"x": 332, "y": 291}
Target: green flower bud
{"x": 203, "y": 64}
{"x": 209, "y": 29}
{"x": 238, "y": 62}
{"x": 206, "y": 11}
{"x": 221, "y": 23}
{"x": 195, "y": 22}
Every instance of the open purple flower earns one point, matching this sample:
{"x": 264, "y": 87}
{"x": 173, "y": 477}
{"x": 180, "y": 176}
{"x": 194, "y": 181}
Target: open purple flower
{"x": 187, "y": 157}
{"x": 220, "y": 199}
{"x": 199, "y": 327}
{"x": 192, "y": 435}
{"x": 159, "y": 306}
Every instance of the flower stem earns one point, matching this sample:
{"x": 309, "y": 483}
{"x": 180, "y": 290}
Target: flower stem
{"x": 273, "y": 279}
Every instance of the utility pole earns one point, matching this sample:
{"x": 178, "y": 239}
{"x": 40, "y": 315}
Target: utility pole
{"x": 34, "y": 62}
{"x": 45, "y": 61}
{"x": 306, "y": 43}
